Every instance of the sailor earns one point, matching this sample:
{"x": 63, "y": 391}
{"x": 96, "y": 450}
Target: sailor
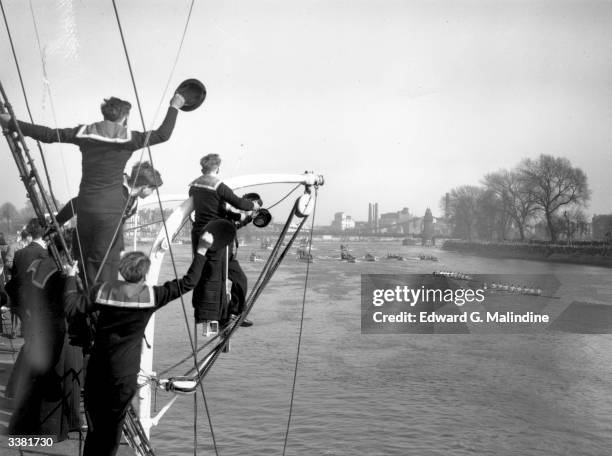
{"x": 47, "y": 378}
{"x": 210, "y": 196}
{"x": 106, "y": 147}
{"x": 125, "y": 307}
{"x": 35, "y": 250}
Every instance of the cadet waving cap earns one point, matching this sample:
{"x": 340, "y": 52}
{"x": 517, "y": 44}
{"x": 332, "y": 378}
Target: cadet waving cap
{"x": 194, "y": 93}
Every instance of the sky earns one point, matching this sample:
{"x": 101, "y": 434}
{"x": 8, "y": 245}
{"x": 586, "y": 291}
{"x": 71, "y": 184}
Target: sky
{"x": 394, "y": 102}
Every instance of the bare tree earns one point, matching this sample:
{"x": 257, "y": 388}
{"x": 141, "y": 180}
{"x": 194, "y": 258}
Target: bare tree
{"x": 552, "y": 183}
{"x": 515, "y": 197}
{"x": 463, "y": 203}
{"x": 491, "y": 216}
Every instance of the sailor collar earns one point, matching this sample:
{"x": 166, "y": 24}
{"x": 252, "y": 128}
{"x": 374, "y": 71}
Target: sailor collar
{"x": 126, "y": 295}
{"x": 207, "y": 181}
{"x": 105, "y": 131}
{"x": 41, "y": 271}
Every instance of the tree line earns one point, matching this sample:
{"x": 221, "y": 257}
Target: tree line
{"x": 13, "y": 219}
{"x": 548, "y": 191}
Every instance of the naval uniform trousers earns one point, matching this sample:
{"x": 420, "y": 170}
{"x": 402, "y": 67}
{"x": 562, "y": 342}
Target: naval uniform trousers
{"x": 107, "y": 399}
{"x": 96, "y": 232}
{"x": 209, "y": 293}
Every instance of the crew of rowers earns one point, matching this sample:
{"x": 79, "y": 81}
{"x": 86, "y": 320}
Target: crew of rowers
{"x": 495, "y": 286}
{"x": 87, "y": 304}
{"x": 520, "y": 289}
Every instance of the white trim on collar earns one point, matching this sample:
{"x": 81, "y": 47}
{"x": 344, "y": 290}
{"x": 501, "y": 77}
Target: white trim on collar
{"x": 126, "y": 305}
{"x": 82, "y": 135}
{"x": 196, "y": 184}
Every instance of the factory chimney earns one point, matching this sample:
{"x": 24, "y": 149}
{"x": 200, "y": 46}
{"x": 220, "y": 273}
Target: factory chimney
{"x": 376, "y": 217}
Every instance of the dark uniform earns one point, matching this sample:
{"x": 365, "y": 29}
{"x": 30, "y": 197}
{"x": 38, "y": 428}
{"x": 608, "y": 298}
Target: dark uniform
{"x": 106, "y": 147}
{"x": 14, "y": 288}
{"x": 21, "y": 262}
{"x": 48, "y": 376}
{"x": 209, "y": 300}
{"x": 69, "y": 210}
{"x": 111, "y": 381}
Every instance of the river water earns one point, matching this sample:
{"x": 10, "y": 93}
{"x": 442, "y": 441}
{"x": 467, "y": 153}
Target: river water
{"x": 402, "y": 394}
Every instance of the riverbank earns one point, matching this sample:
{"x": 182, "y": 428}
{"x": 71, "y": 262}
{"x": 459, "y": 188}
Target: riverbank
{"x": 595, "y": 254}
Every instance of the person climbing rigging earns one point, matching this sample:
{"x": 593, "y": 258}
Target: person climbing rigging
{"x": 210, "y": 196}
{"x": 106, "y": 147}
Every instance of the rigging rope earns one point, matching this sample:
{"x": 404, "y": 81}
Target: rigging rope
{"x": 25, "y": 96}
{"x": 148, "y": 132}
{"x": 47, "y": 83}
{"x": 191, "y": 379}
{"x": 284, "y": 197}
{"x": 265, "y": 275}
{"x": 185, "y": 359}
{"x": 297, "y": 355}
{"x": 123, "y": 41}
{"x": 144, "y": 225}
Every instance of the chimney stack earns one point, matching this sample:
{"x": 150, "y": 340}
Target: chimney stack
{"x": 376, "y": 217}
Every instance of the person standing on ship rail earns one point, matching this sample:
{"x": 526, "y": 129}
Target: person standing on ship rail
{"x": 125, "y": 307}
{"x": 210, "y": 196}
{"x": 106, "y": 147}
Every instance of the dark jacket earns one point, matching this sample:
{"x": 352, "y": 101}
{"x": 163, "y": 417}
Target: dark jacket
{"x": 106, "y": 147}
{"x": 21, "y": 262}
{"x": 124, "y": 311}
{"x": 209, "y": 197}
{"x": 70, "y": 209}
{"x": 47, "y": 372}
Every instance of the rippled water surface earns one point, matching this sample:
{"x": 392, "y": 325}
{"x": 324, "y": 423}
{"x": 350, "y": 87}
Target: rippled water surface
{"x": 548, "y": 394}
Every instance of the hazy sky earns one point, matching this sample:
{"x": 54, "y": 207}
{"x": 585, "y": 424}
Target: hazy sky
{"x": 393, "y": 101}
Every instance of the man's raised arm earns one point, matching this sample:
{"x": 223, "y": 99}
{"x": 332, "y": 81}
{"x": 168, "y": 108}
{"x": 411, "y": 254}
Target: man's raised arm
{"x": 163, "y": 133}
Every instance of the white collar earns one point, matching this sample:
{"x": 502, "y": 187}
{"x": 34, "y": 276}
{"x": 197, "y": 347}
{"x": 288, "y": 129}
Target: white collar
{"x": 40, "y": 242}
